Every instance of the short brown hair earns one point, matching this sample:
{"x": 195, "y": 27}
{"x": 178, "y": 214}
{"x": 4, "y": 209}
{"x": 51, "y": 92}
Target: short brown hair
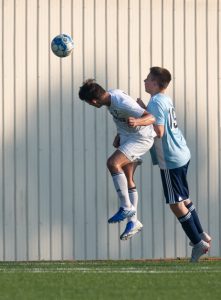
{"x": 90, "y": 90}
{"x": 161, "y": 75}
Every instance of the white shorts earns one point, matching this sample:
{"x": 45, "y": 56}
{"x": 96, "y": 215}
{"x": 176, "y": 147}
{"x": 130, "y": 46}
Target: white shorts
{"x": 133, "y": 147}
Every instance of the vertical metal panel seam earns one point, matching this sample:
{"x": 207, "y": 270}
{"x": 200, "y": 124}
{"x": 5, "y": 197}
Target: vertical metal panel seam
{"x": 196, "y": 97}
{"x": 62, "y": 145}
{"x": 174, "y": 54}
{"x": 129, "y": 70}
{"x": 72, "y": 135}
{"x": 151, "y": 20}
{"x": 106, "y": 85}
{"x": 129, "y": 47}
{"x": 184, "y": 67}
{"x": 195, "y": 121}
{"x": 96, "y": 138}
{"x": 117, "y": 54}
{"x": 139, "y": 29}
{"x": 49, "y": 124}
{"x": 38, "y": 135}
{"x": 173, "y": 39}
{"x": 26, "y": 129}
{"x": 117, "y": 49}
{"x": 162, "y": 59}
{"x": 3, "y": 133}
{"x": 207, "y": 118}
{"x": 151, "y": 61}
{"x": 174, "y": 90}
{"x": 197, "y": 104}
{"x": 219, "y": 110}
{"x": 117, "y": 28}
{"x": 162, "y": 36}
{"x": 15, "y": 132}
{"x": 84, "y": 130}
{"x": 185, "y": 86}
{"x": 72, "y": 130}
{"x": 140, "y": 169}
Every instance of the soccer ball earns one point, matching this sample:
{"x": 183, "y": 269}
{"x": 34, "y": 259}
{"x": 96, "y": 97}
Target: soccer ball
{"x": 62, "y": 45}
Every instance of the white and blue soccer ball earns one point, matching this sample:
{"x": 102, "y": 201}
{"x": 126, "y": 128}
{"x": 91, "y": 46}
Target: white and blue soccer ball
{"x": 62, "y": 45}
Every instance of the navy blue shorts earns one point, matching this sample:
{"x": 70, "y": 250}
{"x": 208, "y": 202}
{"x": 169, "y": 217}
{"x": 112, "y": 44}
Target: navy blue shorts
{"x": 175, "y": 184}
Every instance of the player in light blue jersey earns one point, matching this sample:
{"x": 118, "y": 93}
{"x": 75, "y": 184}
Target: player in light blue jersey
{"x": 171, "y": 153}
{"x": 171, "y": 148}
{"x": 132, "y": 141}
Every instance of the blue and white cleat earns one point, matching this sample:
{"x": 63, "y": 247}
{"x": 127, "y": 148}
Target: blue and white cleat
{"x": 122, "y": 214}
{"x": 131, "y": 229}
{"x": 198, "y": 250}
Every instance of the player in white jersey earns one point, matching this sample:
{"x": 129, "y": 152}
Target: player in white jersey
{"x": 172, "y": 155}
{"x": 132, "y": 141}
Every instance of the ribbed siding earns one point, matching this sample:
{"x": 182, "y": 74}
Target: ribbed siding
{"x": 55, "y": 192}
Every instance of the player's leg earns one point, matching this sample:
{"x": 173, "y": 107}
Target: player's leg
{"x": 189, "y": 204}
{"x": 115, "y": 164}
{"x": 133, "y": 225}
{"x": 200, "y": 247}
{"x": 129, "y": 171}
{"x": 186, "y": 220}
{"x": 205, "y": 236}
{"x": 130, "y": 149}
{"x": 176, "y": 191}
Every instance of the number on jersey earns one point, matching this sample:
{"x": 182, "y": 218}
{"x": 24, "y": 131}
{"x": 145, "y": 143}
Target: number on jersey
{"x": 172, "y": 118}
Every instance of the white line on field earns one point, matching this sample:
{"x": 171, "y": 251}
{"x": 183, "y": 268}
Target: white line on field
{"x": 106, "y": 270}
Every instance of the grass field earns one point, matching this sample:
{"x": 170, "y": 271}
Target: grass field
{"x": 103, "y": 280}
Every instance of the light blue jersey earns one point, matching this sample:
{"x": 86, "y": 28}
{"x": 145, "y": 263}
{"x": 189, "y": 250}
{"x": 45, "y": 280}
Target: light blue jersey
{"x": 170, "y": 151}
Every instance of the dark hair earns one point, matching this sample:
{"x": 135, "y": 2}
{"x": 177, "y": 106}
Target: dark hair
{"x": 161, "y": 75}
{"x": 90, "y": 90}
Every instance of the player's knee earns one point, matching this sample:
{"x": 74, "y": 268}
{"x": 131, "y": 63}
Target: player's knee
{"x": 112, "y": 165}
{"x": 179, "y": 209}
{"x": 176, "y": 206}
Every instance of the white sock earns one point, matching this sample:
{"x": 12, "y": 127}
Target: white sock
{"x": 120, "y": 183}
{"x": 133, "y": 194}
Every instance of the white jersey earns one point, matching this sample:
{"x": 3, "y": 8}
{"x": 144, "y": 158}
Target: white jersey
{"x": 122, "y": 107}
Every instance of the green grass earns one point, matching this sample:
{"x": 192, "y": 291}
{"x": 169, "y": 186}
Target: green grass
{"x": 104, "y": 280}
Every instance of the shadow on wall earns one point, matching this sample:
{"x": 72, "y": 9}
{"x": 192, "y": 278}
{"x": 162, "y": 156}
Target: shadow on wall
{"x": 55, "y": 178}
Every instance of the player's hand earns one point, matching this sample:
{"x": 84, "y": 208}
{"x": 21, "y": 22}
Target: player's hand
{"x": 132, "y": 122}
{"x": 116, "y": 142}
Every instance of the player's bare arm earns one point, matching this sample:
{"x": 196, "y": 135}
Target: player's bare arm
{"x": 159, "y": 129}
{"x": 145, "y": 120}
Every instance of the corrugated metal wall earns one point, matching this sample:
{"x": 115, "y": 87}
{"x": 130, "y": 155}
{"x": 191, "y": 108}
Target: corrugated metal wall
{"x": 55, "y": 192}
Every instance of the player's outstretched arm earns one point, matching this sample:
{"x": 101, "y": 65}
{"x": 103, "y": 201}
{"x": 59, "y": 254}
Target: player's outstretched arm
{"x": 145, "y": 120}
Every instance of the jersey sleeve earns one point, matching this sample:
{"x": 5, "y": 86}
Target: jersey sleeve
{"x": 157, "y": 111}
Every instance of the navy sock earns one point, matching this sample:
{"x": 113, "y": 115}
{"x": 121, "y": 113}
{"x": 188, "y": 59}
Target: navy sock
{"x": 189, "y": 227}
{"x": 194, "y": 214}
